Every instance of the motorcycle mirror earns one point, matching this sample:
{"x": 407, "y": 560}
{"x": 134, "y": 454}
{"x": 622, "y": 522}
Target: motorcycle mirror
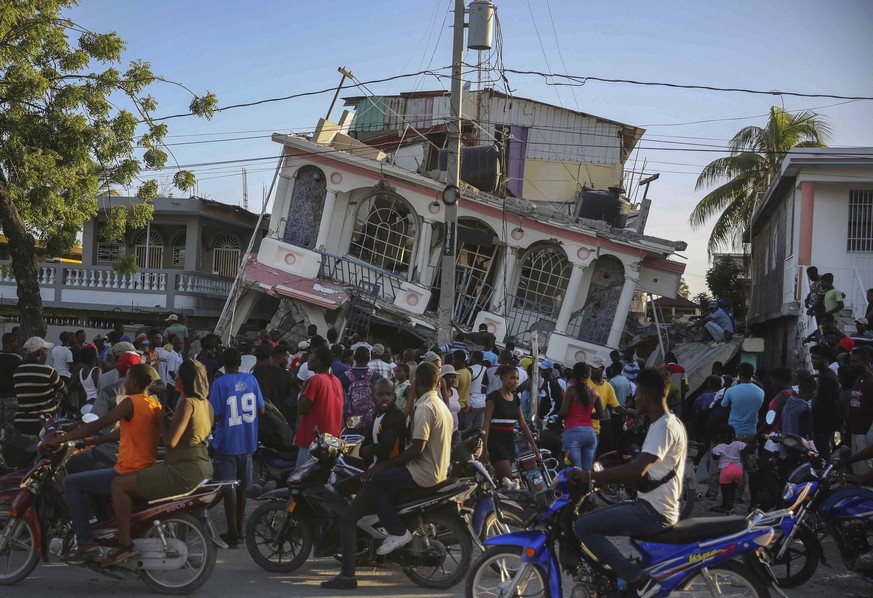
{"x": 771, "y": 417}
{"x": 90, "y": 417}
{"x": 86, "y": 408}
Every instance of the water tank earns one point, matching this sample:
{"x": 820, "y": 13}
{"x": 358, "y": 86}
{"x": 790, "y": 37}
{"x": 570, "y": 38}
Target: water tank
{"x": 608, "y": 206}
{"x": 480, "y": 166}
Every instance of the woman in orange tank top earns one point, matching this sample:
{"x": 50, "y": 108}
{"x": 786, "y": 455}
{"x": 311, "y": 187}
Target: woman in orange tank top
{"x": 137, "y": 412}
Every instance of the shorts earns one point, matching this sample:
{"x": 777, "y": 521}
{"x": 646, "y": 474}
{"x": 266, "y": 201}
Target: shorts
{"x": 501, "y": 445}
{"x": 732, "y": 474}
{"x": 233, "y": 467}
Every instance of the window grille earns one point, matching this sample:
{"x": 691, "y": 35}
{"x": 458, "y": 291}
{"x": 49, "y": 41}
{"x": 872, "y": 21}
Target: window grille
{"x": 545, "y": 275}
{"x": 225, "y": 256}
{"x": 109, "y": 252}
{"x": 179, "y": 250}
{"x": 860, "y": 236}
{"x": 154, "y": 248}
{"x": 386, "y": 235}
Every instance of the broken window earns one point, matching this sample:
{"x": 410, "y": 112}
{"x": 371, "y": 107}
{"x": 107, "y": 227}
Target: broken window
{"x": 305, "y": 207}
{"x": 594, "y": 320}
{"x": 385, "y": 231}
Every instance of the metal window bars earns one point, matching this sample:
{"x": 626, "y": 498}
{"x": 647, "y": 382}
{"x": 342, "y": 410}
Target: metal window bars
{"x": 860, "y": 234}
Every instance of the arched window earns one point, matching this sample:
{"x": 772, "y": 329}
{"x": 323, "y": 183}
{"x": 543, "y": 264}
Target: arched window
{"x": 149, "y": 249}
{"x": 306, "y": 207}
{"x": 595, "y": 320}
{"x": 473, "y": 269}
{"x": 178, "y": 248}
{"x": 545, "y": 273}
{"x": 384, "y": 233}
{"x": 225, "y": 256}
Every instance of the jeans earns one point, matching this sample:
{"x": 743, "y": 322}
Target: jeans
{"x": 581, "y": 443}
{"x": 373, "y": 497}
{"x": 76, "y": 486}
{"x": 861, "y": 441}
{"x": 629, "y": 519}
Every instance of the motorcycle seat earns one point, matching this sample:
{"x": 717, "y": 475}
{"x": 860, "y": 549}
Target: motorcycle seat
{"x": 697, "y": 529}
{"x": 405, "y": 496}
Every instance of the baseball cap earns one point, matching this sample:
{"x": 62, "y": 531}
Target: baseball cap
{"x": 121, "y": 347}
{"x": 861, "y": 321}
{"x": 126, "y": 360}
{"x": 713, "y": 304}
{"x": 847, "y": 344}
{"x": 448, "y": 370}
{"x": 377, "y": 350}
{"x": 547, "y": 364}
{"x": 172, "y": 318}
{"x": 597, "y": 362}
{"x": 431, "y": 357}
{"x": 35, "y": 343}
{"x": 303, "y": 345}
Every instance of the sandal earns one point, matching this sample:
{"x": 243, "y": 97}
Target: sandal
{"x": 81, "y": 554}
{"x": 119, "y": 554}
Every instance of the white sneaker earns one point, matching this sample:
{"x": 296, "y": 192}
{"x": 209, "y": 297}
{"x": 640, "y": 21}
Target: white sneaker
{"x": 392, "y": 543}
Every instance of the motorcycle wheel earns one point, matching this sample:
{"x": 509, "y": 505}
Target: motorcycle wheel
{"x": 799, "y": 562}
{"x": 499, "y": 565}
{"x": 454, "y": 536}
{"x": 19, "y": 558}
{"x": 741, "y": 580}
{"x": 277, "y": 540}
{"x": 202, "y": 554}
{"x": 492, "y": 528}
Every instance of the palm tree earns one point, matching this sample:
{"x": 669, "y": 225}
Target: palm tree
{"x": 745, "y": 175}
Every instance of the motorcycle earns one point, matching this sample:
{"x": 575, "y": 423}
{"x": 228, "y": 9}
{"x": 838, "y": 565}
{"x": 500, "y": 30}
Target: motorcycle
{"x": 175, "y": 537}
{"x": 627, "y": 449}
{"x": 281, "y": 534}
{"x": 270, "y": 465}
{"x": 694, "y": 557}
{"x": 823, "y": 507}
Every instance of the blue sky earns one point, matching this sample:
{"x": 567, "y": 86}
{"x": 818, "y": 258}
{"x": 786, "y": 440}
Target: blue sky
{"x": 250, "y": 51}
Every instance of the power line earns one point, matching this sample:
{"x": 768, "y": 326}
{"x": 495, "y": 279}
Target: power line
{"x": 579, "y": 81}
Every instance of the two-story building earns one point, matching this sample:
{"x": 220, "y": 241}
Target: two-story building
{"x": 186, "y": 262}
{"x": 355, "y": 243}
{"x": 818, "y": 212}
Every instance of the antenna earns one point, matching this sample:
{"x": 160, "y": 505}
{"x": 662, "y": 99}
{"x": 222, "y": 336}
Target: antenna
{"x": 245, "y": 201}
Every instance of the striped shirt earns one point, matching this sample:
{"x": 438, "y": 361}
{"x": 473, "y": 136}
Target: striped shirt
{"x": 36, "y": 385}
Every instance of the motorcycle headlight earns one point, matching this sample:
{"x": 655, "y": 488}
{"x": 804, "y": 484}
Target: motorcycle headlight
{"x": 788, "y": 492}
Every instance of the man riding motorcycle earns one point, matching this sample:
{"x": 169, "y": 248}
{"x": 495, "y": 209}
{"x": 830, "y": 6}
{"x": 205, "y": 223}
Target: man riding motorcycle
{"x": 424, "y": 464}
{"x": 659, "y": 470}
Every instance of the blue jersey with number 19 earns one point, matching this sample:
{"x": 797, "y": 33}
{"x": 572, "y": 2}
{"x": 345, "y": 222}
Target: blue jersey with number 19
{"x": 236, "y": 399}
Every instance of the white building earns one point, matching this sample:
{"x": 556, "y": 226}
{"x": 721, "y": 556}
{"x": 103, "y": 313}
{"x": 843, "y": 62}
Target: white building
{"x": 818, "y": 212}
{"x": 355, "y": 243}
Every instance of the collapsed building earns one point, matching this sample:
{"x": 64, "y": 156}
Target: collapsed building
{"x": 546, "y": 240}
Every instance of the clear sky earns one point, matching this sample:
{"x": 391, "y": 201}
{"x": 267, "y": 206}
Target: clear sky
{"x": 246, "y": 51}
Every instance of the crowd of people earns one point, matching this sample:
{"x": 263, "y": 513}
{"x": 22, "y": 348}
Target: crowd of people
{"x": 164, "y": 386}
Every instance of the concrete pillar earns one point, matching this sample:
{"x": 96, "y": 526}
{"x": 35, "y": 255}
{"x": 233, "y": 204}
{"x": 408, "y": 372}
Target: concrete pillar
{"x": 569, "y": 298}
{"x": 422, "y": 255}
{"x": 326, "y": 219}
{"x": 90, "y": 239}
{"x": 503, "y": 279}
{"x": 193, "y": 240}
{"x": 622, "y": 310}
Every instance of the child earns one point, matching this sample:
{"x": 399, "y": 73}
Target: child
{"x": 730, "y": 467}
{"x": 400, "y": 386}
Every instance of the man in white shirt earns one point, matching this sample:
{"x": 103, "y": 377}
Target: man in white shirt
{"x": 494, "y": 381}
{"x": 659, "y": 471}
{"x": 62, "y": 357}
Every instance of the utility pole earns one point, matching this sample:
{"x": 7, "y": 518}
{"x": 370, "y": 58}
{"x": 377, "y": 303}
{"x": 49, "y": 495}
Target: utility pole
{"x": 450, "y": 241}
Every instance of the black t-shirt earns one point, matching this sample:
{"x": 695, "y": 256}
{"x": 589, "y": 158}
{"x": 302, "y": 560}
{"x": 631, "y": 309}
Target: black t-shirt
{"x": 8, "y": 363}
{"x": 272, "y": 382}
{"x": 505, "y": 414}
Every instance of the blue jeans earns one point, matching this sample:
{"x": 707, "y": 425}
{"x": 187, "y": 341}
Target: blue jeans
{"x": 627, "y": 520}
{"x": 76, "y": 486}
{"x": 581, "y": 443}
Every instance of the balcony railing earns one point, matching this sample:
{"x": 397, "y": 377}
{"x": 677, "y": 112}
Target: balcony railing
{"x": 355, "y": 273}
{"x": 70, "y": 284}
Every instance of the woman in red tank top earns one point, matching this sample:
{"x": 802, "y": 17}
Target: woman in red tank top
{"x": 581, "y": 405}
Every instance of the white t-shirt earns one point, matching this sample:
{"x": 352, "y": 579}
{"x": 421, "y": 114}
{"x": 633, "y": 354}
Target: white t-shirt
{"x": 477, "y": 397}
{"x": 174, "y": 361}
{"x": 62, "y": 357}
{"x": 668, "y": 442}
{"x": 163, "y": 358}
{"x": 454, "y": 406}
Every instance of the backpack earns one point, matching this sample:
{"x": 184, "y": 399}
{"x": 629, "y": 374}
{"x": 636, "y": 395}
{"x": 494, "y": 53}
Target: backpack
{"x": 359, "y": 400}
{"x": 273, "y": 430}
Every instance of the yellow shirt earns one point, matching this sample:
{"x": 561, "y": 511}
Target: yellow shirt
{"x": 607, "y": 399}
{"x": 465, "y": 378}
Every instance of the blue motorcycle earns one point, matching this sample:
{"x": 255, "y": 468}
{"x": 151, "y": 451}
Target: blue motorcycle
{"x": 694, "y": 556}
{"x": 822, "y": 506}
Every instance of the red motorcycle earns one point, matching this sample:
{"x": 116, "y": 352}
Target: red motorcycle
{"x": 175, "y": 537}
